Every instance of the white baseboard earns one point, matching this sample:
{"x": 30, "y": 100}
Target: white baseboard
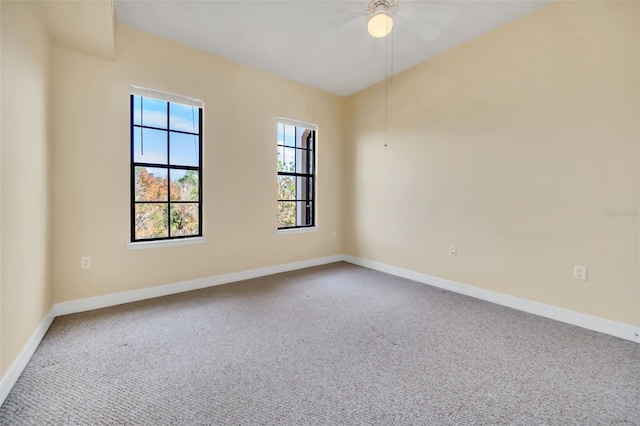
{"x": 114, "y": 299}
{"x": 74, "y": 306}
{"x": 613, "y": 328}
{"x": 601, "y": 325}
{"x": 11, "y": 376}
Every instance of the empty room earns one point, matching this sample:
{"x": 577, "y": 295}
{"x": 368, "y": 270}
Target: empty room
{"x": 320, "y": 212}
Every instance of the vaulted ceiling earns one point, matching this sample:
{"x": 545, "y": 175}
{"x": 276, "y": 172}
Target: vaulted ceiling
{"x": 321, "y": 43}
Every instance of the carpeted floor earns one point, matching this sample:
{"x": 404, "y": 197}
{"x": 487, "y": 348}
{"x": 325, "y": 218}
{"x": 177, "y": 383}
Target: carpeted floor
{"x": 326, "y": 345}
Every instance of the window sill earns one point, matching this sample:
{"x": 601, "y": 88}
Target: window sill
{"x": 141, "y": 245}
{"x": 297, "y": 230}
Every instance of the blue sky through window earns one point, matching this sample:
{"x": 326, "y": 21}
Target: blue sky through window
{"x": 154, "y": 113}
{"x": 290, "y": 136}
{"x": 184, "y": 149}
{"x": 184, "y": 118}
{"x": 150, "y": 145}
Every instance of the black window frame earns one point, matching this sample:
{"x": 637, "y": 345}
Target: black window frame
{"x": 166, "y": 166}
{"x": 311, "y": 181}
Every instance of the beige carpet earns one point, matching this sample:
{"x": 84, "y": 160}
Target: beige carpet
{"x": 336, "y": 344}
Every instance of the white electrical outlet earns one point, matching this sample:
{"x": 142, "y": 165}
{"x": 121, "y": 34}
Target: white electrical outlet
{"x": 580, "y": 273}
{"x": 453, "y": 251}
{"x": 85, "y": 263}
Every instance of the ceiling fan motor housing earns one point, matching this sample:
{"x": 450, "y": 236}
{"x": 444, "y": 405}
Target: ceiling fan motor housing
{"x": 378, "y": 6}
{"x": 380, "y": 23}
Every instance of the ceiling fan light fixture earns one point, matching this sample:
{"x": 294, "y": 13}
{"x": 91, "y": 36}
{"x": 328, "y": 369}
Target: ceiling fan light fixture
{"x": 380, "y": 24}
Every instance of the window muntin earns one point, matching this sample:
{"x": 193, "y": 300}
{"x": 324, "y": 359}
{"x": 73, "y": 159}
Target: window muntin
{"x": 296, "y": 174}
{"x": 166, "y": 169}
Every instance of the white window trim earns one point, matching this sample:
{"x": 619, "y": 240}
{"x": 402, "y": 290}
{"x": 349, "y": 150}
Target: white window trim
{"x": 297, "y": 230}
{"x": 314, "y": 127}
{"x": 134, "y": 89}
{"x": 142, "y": 245}
{"x": 138, "y": 90}
{"x": 297, "y": 123}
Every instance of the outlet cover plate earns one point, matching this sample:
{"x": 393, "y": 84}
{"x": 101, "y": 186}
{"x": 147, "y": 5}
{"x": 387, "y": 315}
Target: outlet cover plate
{"x": 580, "y": 273}
{"x": 85, "y": 263}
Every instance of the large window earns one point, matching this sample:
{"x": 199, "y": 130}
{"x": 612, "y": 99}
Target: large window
{"x": 296, "y": 174}
{"x": 166, "y": 166}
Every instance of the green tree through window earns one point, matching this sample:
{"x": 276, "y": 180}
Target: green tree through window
{"x": 296, "y": 175}
{"x": 166, "y": 169}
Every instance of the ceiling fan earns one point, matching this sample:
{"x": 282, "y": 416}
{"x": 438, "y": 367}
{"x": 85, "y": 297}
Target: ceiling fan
{"x": 423, "y": 18}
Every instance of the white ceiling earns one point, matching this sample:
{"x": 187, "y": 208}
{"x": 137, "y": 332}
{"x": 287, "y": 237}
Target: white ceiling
{"x": 321, "y": 43}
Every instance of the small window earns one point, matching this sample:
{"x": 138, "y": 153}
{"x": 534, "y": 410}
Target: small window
{"x": 166, "y": 166}
{"x": 296, "y": 174}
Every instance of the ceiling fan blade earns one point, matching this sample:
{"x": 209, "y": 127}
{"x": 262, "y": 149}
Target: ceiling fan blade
{"x": 440, "y": 15}
{"x": 342, "y": 30}
{"x": 419, "y": 27}
{"x": 339, "y": 17}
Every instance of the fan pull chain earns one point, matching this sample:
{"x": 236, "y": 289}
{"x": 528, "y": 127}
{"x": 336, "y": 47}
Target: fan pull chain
{"x": 388, "y": 81}
{"x": 392, "y": 45}
{"x": 386, "y": 104}
{"x": 386, "y": 91}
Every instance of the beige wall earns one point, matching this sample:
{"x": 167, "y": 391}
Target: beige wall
{"x": 84, "y": 26}
{"x": 511, "y": 148}
{"x": 91, "y": 166}
{"x": 25, "y": 278}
